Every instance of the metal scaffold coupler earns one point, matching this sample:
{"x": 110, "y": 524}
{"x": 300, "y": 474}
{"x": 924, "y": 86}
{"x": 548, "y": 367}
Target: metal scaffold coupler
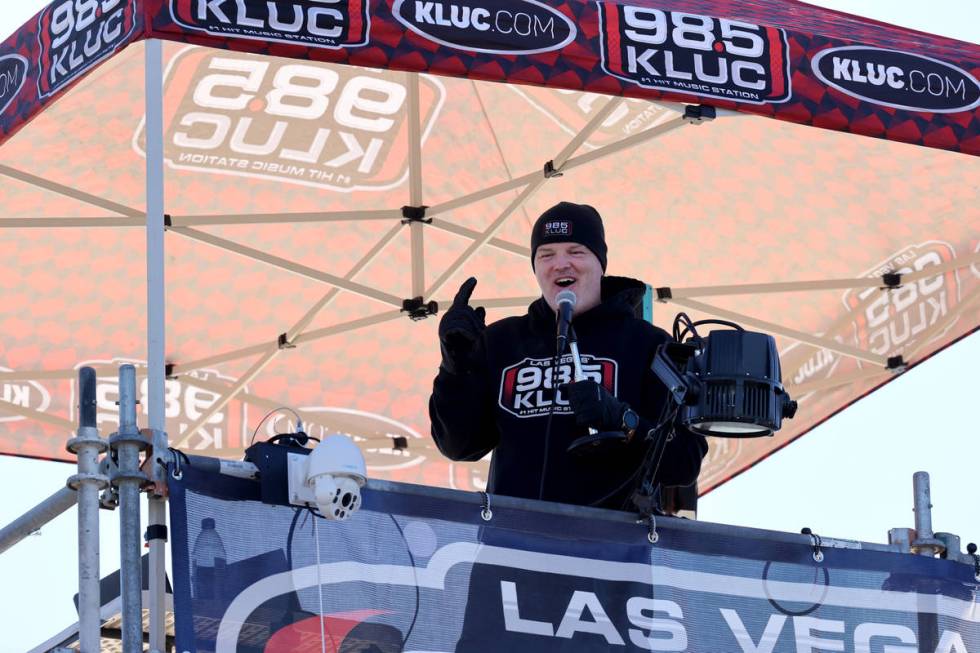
{"x": 86, "y": 442}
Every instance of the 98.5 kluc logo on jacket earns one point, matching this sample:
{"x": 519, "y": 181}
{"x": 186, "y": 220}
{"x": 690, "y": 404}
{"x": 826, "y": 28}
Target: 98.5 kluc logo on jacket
{"x": 690, "y": 53}
{"x": 528, "y": 388}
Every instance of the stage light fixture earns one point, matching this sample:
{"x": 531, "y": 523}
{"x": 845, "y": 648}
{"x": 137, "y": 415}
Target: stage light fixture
{"x": 727, "y": 384}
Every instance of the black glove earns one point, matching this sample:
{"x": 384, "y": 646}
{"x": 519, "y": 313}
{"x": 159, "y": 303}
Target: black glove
{"x": 460, "y": 328}
{"x": 594, "y": 406}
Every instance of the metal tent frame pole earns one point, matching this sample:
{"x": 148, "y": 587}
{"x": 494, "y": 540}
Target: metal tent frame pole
{"x": 156, "y": 336}
{"x": 415, "y": 185}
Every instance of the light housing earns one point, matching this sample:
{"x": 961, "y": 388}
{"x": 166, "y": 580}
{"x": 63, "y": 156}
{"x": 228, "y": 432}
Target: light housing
{"x": 727, "y": 385}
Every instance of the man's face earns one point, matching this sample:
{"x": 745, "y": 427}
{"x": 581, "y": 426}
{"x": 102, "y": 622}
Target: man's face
{"x": 568, "y": 266}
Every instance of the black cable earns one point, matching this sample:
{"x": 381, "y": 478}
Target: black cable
{"x": 639, "y": 468}
{"x": 680, "y": 317}
{"x": 795, "y": 613}
{"x": 661, "y": 437}
{"x": 551, "y": 415}
{"x": 299, "y": 420}
{"x": 408, "y": 550}
{"x": 418, "y": 594}
{"x": 300, "y": 438}
{"x": 692, "y": 327}
{"x": 289, "y": 537}
{"x": 178, "y": 452}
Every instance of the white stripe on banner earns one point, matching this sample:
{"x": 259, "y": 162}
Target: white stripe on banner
{"x": 433, "y": 577}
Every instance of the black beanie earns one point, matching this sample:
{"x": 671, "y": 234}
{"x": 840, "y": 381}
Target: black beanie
{"x": 566, "y": 222}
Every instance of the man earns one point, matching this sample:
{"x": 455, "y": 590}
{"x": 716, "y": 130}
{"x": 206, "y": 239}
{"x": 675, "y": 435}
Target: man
{"x": 498, "y": 385}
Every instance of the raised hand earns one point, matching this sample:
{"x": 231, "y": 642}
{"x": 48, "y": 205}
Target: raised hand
{"x": 460, "y": 328}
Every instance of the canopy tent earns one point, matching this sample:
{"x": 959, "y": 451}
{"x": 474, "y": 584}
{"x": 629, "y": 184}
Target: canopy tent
{"x": 331, "y": 168}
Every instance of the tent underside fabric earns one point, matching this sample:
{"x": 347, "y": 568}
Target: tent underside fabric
{"x": 318, "y": 198}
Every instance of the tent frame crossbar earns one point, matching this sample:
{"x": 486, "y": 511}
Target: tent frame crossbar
{"x": 486, "y": 236}
{"x": 291, "y": 334}
{"x": 300, "y": 326}
{"x": 228, "y": 392}
{"x": 217, "y": 386}
{"x": 808, "y": 387}
{"x": 798, "y": 356}
{"x": 36, "y": 415}
{"x": 556, "y": 166}
{"x": 201, "y": 220}
{"x": 947, "y": 321}
{"x": 771, "y": 327}
{"x": 472, "y": 234}
{"x": 222, "y": 400}
{"x": 289, "y": 266}
{"x": 480, "y": 195}
{"x": 826, "y": 284}
{"x": 70, "y": 222}
{"x": 282, "y": 218}
{"x": 677, "y": 295}
{"x": 69, "y": 191}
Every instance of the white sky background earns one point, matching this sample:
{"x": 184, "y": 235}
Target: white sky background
{"x": 850, "y": 478}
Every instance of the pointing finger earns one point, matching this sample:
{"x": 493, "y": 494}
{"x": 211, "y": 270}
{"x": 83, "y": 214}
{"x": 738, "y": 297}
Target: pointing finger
{"x": 463, "y": 296}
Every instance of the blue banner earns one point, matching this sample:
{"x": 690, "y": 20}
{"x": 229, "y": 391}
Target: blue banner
{"x": 420, "y": 570}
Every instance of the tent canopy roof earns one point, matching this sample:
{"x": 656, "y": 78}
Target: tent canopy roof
{"x": 289, "y": 160}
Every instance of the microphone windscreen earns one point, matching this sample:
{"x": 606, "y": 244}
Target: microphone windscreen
{"x": 566, "y": 297}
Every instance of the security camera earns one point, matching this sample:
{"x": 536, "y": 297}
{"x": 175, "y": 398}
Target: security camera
{"x": 336, "y": 472}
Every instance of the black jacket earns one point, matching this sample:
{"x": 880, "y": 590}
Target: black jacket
{"x": 502, "y": 400}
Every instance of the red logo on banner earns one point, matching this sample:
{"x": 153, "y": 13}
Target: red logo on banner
{"x": 13, "y": 73}
{"x": 74, "y": 35}
{"x": 336, "y": 127}
{"x": 694, "y": 54}
{"x": 313, "y": 23}
{"x": 891, "y": 322}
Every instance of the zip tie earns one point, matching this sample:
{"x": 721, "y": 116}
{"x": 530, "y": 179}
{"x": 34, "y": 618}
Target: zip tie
{"x": 817, "y": 544}
{"x": 485, "y": 511}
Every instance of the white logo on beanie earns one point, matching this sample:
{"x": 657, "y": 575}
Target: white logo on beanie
{"x": 557, "y": 228}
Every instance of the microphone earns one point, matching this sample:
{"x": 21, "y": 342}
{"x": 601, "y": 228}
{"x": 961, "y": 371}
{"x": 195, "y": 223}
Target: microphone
{"x": 566, "y": 301}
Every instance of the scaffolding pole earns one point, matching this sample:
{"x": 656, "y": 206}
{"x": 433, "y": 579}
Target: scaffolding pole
{"x": 87, "y": 445}
{"x": 36, "y": 517}
{"x": 127, "y": 443}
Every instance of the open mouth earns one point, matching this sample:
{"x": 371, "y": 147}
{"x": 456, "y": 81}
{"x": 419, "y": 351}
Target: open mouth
{"x": 564, "y": 282}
